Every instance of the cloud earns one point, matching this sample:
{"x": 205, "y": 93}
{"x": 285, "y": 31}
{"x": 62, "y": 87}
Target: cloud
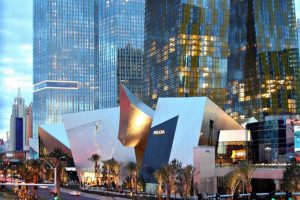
{"x": 15, "y": 55}
{"x": 26, "y": 47}
{"x": 7, "y": 71}
{"x": 6, "y": 60}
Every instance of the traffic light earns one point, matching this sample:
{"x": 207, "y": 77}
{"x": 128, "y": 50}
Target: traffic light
{"x": 271, "y": 196}
{"x": 253, "y": 196}
{"x": 218, "y": 196}
{"x": 55, "y": 196}
{"x": 288, "y": 196}
{"x": 236, "y": 196}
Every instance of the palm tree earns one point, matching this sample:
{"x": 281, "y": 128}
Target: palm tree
{"x": 37, "y": 167}
{"x": 159, "y": 178}
{"x": 95, "y": 158}
{"x": 245, "y": 172}
{"x": 186, "y": 176}
{"x": 291, "y": 178}
{"x": 106, "y": 172}
{"x": 57, "y": 154}
{"x": 176, "y": 166}
{"x": 133, "y": 171}
{"x": 115, "y": 169}
{"x": 167, "y": 174}
{"x": 232, "y": 182}
{"x": 27, "y": 171}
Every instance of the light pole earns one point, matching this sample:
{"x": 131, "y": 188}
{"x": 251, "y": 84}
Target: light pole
{"x": 55, "y": 173}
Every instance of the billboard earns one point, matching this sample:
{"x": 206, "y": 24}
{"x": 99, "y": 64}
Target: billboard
{"x": 297, "y": 138}
{"x": 297, "y": 142}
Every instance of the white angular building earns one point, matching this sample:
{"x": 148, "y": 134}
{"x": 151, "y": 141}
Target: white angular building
{"x": 134, "y": 132}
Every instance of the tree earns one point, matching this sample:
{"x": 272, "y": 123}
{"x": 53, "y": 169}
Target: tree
{"x": 291, "y": 178}
{"x": 115, "y": 170}
{"x": 175, "y": 181}
{"x": 133, "y": 171}
{"x": 245, "y": 172}
{"x": 5, "y": 167}
{"x": 37, "y": 168}
{"x": 186, "y": 178}
{"x": 57, "y": 154}
{"x": 168, "y": 175}
{"x": 159, "y": 178}
{"x": 29, "y": 171}
{"x": 232, "y": 182}
{"x": 95, "y": 158}
{"x": 112, "y": 170}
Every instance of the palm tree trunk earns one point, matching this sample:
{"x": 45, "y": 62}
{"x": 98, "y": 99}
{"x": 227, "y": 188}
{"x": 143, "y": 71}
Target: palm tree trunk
{"x": 168, "y": 193}
{"x": 248, "y": 187}
{"x": 58, "y": 182}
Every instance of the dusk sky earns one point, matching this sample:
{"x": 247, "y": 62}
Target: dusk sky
{"x": 16, "y": 55}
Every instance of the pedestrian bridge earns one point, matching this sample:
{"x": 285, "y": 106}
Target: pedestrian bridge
{"x": 262, "y": 171}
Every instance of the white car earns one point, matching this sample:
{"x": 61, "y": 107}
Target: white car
{"x": 75, "y": 193}
{"x": 43, "y": 187}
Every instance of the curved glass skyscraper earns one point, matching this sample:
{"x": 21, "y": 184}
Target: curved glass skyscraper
{"x": 65, "y": 58}
{"x": 186, "y": 49}
{"x": 83, "y": 49}
{"x": 263, "y": 68}
{"x": 121, "y": 41}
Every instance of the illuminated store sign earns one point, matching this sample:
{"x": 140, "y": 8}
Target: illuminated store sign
{"x": 297, "y": 138}
{"x": 159, "y": 132}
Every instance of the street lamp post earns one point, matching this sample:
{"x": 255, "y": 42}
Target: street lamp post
{"x": 55, "y": 173}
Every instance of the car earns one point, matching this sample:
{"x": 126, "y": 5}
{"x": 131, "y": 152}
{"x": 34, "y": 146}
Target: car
{"x": 75, "y": 193}
{"x": 43, "y": 187}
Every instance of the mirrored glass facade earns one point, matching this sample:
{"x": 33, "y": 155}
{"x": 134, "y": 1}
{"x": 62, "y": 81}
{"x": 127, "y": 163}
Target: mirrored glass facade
{"x": 65, "y": 58}
{"x": 263, "y": 68}
{"x": 121, "y": 39}
{"x": 186, "y": 49}
{"x": 298, "y": 33}
{"x": 272, "y": 141}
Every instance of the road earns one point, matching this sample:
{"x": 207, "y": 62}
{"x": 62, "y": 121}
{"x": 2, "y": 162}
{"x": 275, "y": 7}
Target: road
{"x": 45, "y": 194}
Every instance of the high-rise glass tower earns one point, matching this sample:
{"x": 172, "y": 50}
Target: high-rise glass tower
{"x": 263, "y": 69}
{"x": 121, "y": 37}
{"x": 186, "y": 49}
{"x": 18, "y": 123}
{"x": 298, "y": 33}
{"x": 65, "y": 58}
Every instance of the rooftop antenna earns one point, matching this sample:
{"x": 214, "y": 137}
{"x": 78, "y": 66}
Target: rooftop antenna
{"x": 19, "y": 92}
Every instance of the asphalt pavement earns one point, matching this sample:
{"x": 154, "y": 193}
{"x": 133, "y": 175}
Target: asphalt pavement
{"x": 45, "y": 194}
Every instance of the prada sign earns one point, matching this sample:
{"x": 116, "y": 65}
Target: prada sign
{"x": 159, "y": 132}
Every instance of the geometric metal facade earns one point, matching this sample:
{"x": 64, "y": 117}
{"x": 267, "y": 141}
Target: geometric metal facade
{"x": 143, "y": 136}
{"x": 135, "y": 122}
{"x": 163, "y": 136}
{"x": 197, "y": 121}
{"x": 54, "y": 136}
{"x": 93, "y": 132}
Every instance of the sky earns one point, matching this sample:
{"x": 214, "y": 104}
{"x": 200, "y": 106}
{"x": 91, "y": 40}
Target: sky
{"x": 16, "y": 55}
